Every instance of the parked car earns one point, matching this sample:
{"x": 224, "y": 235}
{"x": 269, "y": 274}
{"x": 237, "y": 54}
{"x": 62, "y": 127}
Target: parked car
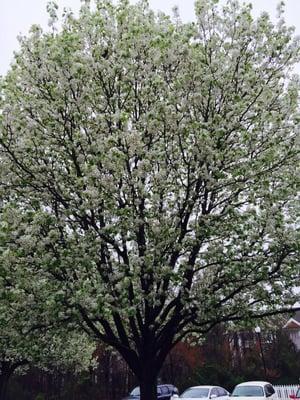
{"x": 295, "y": 396}
{"x": 164, "y": 392}
{"x": 203, "y": 392}
{"x": 255, "y": 390}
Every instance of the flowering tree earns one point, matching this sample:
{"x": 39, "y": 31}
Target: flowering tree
{"x": 23, "y": 344}
{"x": 50, "y": 349}
{"x": 152, "y": 169}
{"x": 27, "y": 336}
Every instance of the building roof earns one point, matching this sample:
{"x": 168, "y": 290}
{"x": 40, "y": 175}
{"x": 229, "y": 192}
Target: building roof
{"x": 294, "y": 321}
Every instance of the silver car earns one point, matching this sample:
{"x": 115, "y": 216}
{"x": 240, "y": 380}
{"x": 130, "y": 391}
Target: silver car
{"x": 203, "y": 392}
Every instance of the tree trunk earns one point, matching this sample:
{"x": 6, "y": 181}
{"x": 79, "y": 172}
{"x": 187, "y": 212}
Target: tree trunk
{"x": 148, "y": 383}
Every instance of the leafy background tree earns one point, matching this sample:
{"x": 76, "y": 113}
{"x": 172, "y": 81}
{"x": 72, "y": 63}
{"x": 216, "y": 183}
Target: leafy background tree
{"x": 24, "y": 343}
{"x": 27, "y": 339}
{"x": 151, "y": 173}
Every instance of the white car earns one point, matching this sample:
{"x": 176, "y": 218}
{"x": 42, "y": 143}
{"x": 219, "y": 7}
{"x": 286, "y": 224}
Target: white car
{"x": 203, "y": 392}
{"x": 254, "y": 390}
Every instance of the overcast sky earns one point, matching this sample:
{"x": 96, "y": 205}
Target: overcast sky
{"x": 16, "y": 16}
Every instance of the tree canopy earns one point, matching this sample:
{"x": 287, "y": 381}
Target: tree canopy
{"x": 150, "y": 172}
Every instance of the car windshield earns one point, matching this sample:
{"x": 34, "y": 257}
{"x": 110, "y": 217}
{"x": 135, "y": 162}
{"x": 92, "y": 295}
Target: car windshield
{"x": 135, "y": 392}
{"x": 195, "y": 393}
{"x": 248, "y": 391}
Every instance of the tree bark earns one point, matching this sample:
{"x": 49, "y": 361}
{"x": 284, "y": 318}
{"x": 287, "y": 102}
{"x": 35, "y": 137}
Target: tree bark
{"x": 148, "y": 384}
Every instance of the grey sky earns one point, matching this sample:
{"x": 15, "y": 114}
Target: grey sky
{"x": 16, "y": 16}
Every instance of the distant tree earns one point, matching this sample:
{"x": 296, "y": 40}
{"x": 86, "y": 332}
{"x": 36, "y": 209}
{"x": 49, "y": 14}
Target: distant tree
{"x": 285, "y": 359}
{"x": 151, "y": 170}
{"x": 180, "y": 365}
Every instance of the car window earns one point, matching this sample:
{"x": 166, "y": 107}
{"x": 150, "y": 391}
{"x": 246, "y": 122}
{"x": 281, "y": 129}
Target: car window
{"x": 214, "y": 392}
{"x": 158, "y": 390}
{"x": 164, "y": 389}
{"x": 195, "y": 392}
{"x": 298, "y": 393}
{"x": 135, "y": 392}
{"x": 221, "y": 391}
{"x": 249, "y": 391}
{"x": 269, "y": 390}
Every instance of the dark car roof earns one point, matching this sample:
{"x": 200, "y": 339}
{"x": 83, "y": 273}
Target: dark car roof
{"x": 169, "y": 385}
